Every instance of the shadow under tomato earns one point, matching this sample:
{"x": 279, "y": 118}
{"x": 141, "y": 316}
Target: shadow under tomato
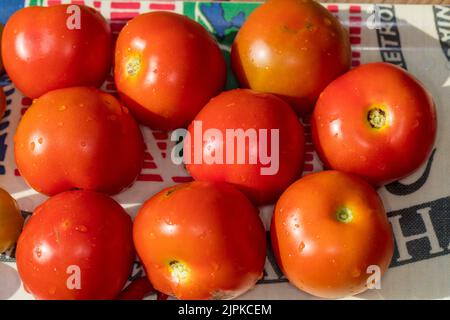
{"x": 10, "y": 282}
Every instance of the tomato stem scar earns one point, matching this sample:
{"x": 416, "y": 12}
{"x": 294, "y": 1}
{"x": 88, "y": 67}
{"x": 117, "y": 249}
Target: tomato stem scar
{"x": 376, "y": 118}
{"x": 178, "y": 270}
{"x": 344, "y": 215}
{"x": 133, "y": 65}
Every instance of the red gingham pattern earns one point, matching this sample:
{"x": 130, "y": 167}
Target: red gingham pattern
{"x": 355, "y": 19}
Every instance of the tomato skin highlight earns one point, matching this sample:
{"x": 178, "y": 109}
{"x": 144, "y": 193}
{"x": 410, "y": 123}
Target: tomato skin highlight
{"x": 397, "y": 141}
{"x": 246, "y": 109}
{"x": 291, "y": 48}
{"x": 39, "y": 48}
{"x": 84, "y": 229}
{"x": 200, "y": 240}
{"x": 11, "y": 221}
{"x": 78, "y": 138}
{"x": 328, "y": 228}
{"x": 167, "y": 68}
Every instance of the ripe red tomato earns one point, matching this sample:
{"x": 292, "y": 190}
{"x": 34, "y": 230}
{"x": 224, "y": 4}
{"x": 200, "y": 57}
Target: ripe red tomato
{"x": 76, "y": 245}
{"x": 292, "y": 49}
{"x": 200, "y": 240}
{"x": 376, "y": 121}
{"x": 11, "y": 221}
{"x": 41, "y": 53}
{"x": 328, "y": 228}
{"x": 167, "y": 67}
{"x": 78, "y": 138}
{"x": 252, "y": 113}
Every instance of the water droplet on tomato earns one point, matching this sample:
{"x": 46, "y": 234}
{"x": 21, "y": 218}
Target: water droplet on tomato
{"x": 38, "y": 252}
{"x": 168, "y": 221}
{"x": 81, "y": 228}
{"x": 301, "y": 246}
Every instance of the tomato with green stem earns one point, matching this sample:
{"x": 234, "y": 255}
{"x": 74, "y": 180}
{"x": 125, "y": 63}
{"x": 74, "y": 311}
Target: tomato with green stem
{"x": 329, "y": 233}
{"x": 167, "y": 67}
{"x": 200, "y": 240}
{"x": 376, "y": 121}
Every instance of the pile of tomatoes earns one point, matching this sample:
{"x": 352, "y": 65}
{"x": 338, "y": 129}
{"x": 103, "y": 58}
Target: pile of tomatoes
{"x": 204, "y": 239}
